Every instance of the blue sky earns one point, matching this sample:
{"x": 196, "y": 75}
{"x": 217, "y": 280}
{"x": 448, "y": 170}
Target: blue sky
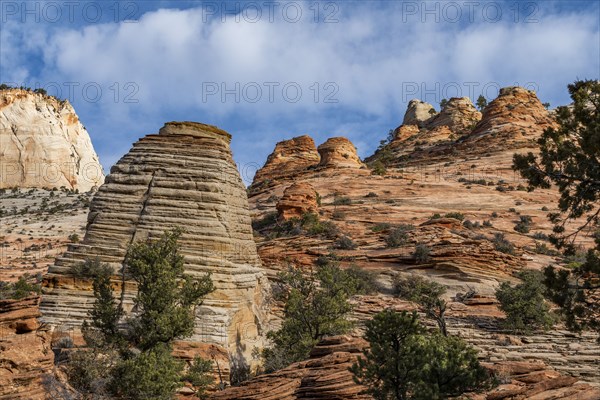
{"x": 267, "y": 71}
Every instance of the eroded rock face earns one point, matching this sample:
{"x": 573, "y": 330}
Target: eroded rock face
{"x": 25, "y": 353}
{"x": 459, "y": 114}
{"x": 183, "y": 177}
{"x": 516, "y": 111}
{"x": 324, "y": 376}
{"x": 339, "y": 152}
{"x": 44, "y": 145}
{"x": 418, "y": 112}
{"x": 298, "y": 199}
{"x": 289, "y": 157}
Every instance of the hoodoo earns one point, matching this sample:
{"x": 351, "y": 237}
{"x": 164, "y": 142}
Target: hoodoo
{"x": 289, "y": 158}
{"x": 182, "y": 177}
{"x": 339, "y": 152}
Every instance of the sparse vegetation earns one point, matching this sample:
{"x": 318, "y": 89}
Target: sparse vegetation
{"x": 338, "y": 215}
{"x": 524, "y": 304}
{"x": 315, "y": 306}
{"x": 422, "y": 253}
{"x": 456, "y": 215}
{"x": 399, "y": 236}
{"x": 381, "y": 227}
{"x": 524, "y": 224}
{"x": 502, "y": 244}
{"x": 26, "y": 285}
{"x": 342, "y": 201}
{"x": 404, "y": 361}
{"x": 344, "y": 243}
{"x": 138, "y": 364}
{"x": 481, "y": 102}
{"x": 427, "y": 294}
{"x": 269, "y": 220}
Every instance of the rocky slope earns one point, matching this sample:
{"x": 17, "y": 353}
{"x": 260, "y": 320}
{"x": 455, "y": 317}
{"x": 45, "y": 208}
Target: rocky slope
{"x": 36, "y": 226}
{"x": 325, "y": 375}
{"x": 184, "y": 176}
{"x": 454, "y": 195}
{"x": 44, "y": 145}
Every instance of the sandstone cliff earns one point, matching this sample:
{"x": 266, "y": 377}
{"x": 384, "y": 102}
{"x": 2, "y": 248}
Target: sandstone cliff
{"x": 44, "y": 145}
{"x": 292, "y": 159}
{"x": 184, "y": 176}
{"x": 516, "y": 114}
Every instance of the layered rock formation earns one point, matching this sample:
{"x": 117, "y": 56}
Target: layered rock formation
{"x": 25, "y": 354}
{"x": 512, "y": 121}
{"x": 418, "y": 112}
{"x": 459, "y": 115}
{"x": 288, "y": 158}
{"x": 182, "y": 177}
{"x": 295, "y": 158}
{"x": 44, "y": 145}
{"x": 298, "y": 199}
{"x": 324, "y": 375}
{"x": 516, "y": 115}
{"x": 338, "y": 152}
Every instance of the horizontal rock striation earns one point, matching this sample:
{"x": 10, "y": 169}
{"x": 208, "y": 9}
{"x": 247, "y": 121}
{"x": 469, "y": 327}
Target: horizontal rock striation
{"x": 44, "y": 145}
{"x": 516, "y": 115}
{"x": 183, "y": 177}
{"x": 324, "y": 376}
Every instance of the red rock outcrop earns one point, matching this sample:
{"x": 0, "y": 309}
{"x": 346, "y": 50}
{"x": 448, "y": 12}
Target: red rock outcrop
{"x": 324, "y": 375}
{"x": 289, "y": 158}
{"x": 404, "y": 132}
{"x": 516, "y": 115}
{"x": 25, "y": 353}
{"x": 298, "y": 199}
{"x": 339, "y": 152}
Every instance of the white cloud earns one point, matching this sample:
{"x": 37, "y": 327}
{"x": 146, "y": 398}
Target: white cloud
{"x": 172, "y": 54}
